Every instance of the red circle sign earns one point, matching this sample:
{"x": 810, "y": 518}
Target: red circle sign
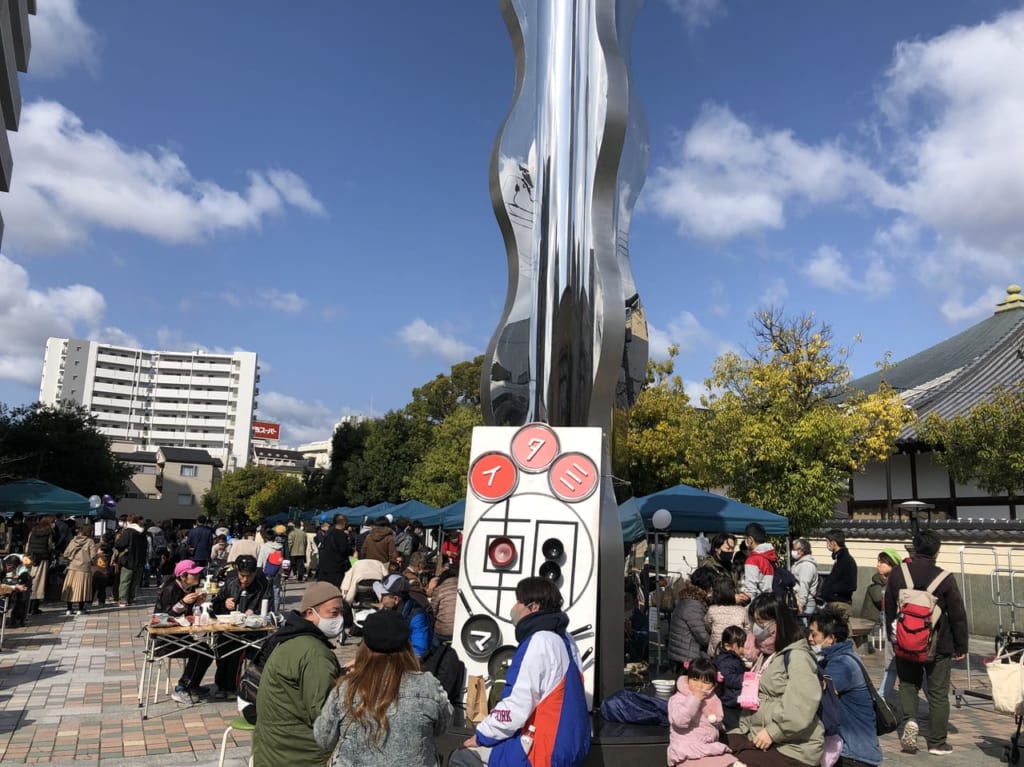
{"x": 535, "y": 447}
{"x": 573, "y": 477}
{"x": 493, "y": 477}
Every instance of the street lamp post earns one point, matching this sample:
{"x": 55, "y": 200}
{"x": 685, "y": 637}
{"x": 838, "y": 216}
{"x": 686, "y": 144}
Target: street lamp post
{"x": 661, "y": 519}
{"x": 914, "y": 509}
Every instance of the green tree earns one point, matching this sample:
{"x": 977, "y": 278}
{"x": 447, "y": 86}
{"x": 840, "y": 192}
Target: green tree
{"x": 395, "y": 444}
{"x": 784, "y": 432}
{"x": 61, "y": 445}
{"x": 229, "y": 497}
{"x": 278, "y": 495}
{"x": 440, "y": 477}
{"x": 346, "y": 448}
{"x": 984, "y": 446}
{"x": 435, "y": 400}
{"x": 660, "y": 432}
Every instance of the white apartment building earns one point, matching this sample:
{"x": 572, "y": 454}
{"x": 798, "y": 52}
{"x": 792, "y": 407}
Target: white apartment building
{"x": 157, "y": 399}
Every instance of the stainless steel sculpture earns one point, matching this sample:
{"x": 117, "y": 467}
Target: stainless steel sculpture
{"x": 563, "y": 201}
{"x": 566, "y": 170}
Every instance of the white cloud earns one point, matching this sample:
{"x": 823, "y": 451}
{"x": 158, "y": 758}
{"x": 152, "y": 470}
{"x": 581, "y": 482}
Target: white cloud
{"x": 959, "y": 121}
{"x": 697, "y": 13}
{"x": 171, "y": 339}
{"x": 290, "y": 302}
{"x": 71, "y": 179}
{"x": 955, "y": 309}
{"x": 422, "y": 337}
{"x": 114, "y": 336}
{"x": 828, "y": 268}
{"x": 775, "y": 293}
{"x": 61, "y": 40}
{"x": 684, "y": 330}
{"x": 950, "y": 135}
{"x": 29, "y": 316}
{"x": 300, "y": 421}
{"x": 728, "y": 180}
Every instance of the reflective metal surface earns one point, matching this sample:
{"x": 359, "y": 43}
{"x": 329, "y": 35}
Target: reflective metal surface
{"x": 566, "y": 170}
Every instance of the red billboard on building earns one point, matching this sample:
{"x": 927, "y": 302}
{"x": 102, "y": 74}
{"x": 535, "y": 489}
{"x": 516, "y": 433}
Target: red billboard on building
{"x": 266, "y": 430}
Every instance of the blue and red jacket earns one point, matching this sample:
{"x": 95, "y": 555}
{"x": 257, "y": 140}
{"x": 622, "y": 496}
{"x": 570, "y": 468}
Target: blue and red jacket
{"x": 543, "y": 688}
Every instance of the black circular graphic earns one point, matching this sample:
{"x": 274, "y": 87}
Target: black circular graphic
{"x": 480, "y": 635}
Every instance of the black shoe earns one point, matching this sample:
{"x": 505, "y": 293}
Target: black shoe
{"x": 199, "y": 690}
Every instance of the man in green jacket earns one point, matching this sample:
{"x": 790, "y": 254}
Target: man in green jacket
{"x": 296, "y": 680}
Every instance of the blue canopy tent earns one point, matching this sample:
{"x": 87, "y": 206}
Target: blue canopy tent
{"x": 633, "y": 529}
{"x": 35, "y": 497}
{"x": 695, "y": 511}
{"x": 452, "y": 516}
{"x": 415, "y": 511}
{"x": 328, "y": 516}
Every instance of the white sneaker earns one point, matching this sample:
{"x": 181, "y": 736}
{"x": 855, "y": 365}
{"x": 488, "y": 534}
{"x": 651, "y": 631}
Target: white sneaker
{"x": 908, "y": 740}
{"x": 942, "y": 750}
{"x": 68, "y": 613}
{"x": 182, "y": 696}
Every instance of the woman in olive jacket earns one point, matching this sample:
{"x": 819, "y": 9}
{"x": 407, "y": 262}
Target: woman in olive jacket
{"x": 785, "y": 731}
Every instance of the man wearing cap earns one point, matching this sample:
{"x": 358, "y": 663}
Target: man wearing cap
{"x": 393, "y": 593}
{"x": 243, "y": 590}
{"x": 296, "y": 680}
{"x": 178, "y": 597}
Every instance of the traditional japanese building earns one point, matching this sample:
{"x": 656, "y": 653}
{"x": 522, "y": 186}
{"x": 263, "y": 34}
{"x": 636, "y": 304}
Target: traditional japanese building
{"x": 948, "y": 379}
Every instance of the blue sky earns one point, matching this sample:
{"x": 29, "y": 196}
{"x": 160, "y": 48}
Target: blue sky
{"x": 312, "y": 185}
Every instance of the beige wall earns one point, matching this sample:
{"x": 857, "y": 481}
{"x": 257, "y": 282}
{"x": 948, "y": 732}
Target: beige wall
{"x": 162, "y": 503}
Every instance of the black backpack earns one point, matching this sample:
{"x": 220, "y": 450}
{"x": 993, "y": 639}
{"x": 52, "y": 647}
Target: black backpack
{"x": 784, "y": 587}
{"x": 443, "y": 662}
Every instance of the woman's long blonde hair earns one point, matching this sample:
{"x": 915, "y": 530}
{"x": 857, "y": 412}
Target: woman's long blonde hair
{"x": 372, "y": 686}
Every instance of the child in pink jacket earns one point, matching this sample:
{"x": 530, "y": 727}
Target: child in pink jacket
{"x": 695, "y": 720}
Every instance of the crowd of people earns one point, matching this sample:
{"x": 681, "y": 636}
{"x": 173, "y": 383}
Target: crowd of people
{"x": 750, "y": 657}
{"x": 751, "y": 660}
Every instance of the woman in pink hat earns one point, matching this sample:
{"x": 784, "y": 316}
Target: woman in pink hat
{"x": 179, "y": 596}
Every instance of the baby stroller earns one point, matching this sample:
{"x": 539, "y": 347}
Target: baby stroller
{"x": 21, "y": 588}
{"x": 364, "y": 603}
{"x": 1006, "y": 673}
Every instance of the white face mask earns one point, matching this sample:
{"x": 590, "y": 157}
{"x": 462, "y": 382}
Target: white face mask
{"x": 795, "y": 553}
{"x": 330, "y": 627}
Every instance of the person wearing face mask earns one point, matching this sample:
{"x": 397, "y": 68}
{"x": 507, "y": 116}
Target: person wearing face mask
{"x": 296, "y": 680}
{"x": 544, "y": 690}
{"x": 785, "y": 730}
{"x": 805, "y": 570}
{"x": 838, "y": 586}
{"x": 830, "y": 641}
{"x": 759, "y": 566}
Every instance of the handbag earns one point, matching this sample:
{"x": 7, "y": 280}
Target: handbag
{"x": 1007, "y": 679}
{"x": 748, "y": 697}
{"x": 886, "y": 720}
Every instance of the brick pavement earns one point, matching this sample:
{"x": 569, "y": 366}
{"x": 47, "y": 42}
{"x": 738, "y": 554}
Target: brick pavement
{"x": 69, "y": 686}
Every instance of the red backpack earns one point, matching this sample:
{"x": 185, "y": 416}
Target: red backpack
{"x": 917, "y": 619}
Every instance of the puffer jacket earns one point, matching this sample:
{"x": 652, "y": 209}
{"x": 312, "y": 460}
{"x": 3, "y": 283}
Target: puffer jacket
{"x": 296, "y": 680}
{"x": 380, "y": 545}
{"x": 687, "y": 634}
{"x": 420, "y": 713}
{"x": 860, "y": 738}
{"x": 805, "y": 570}
{"x": 721, "y": 617}
{"x": 789, "y": 705}
{"x": 872, "y": 607}
{"x": 692, "y": 734}
{"x": 443, "y": 601}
